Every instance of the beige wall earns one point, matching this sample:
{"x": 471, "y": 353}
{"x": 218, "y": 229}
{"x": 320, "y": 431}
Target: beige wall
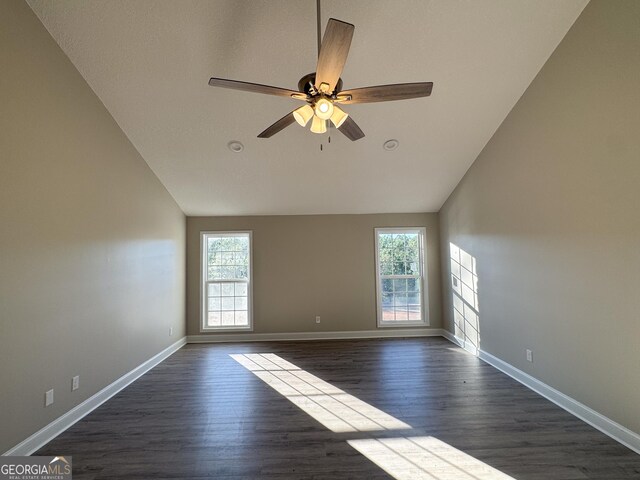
{"x": 91, "y": 244}
{"x": 550, "y": 212}
{"x": 311, "y": 265}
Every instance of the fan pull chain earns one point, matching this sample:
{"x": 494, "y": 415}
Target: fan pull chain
{"x": 328, "y": 136}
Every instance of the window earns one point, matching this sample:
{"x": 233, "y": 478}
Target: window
{"x": 400, "y": 280}
{"x": 226, "y": 281}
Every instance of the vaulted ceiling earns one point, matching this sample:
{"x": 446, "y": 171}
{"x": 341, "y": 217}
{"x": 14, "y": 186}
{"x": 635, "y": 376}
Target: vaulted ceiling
{"x": 149, "y": 62}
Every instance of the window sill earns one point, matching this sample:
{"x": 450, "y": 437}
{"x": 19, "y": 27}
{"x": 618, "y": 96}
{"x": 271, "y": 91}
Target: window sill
{"x": 226, "y": 329}
{"x": 403, "y": 324}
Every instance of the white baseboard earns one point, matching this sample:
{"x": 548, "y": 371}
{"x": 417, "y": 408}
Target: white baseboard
{"x": 468, "y": 346}
{"x": 607, "y": 426}
{"x": 274, "y": 337}
{"x": 59, "y": 425}
{"x": 451, "y": 337}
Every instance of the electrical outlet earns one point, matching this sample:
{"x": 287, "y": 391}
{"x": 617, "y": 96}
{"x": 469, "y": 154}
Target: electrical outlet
{"x": 48, "y": 397}
{"x": 529, "y": 356}
{"x": 170, "y": 331}
{"x": 75, "y": 383}
{"x": 317, "y": 318}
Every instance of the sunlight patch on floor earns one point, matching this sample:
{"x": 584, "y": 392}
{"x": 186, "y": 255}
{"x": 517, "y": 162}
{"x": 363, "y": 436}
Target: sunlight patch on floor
{"x": 404, "y": 458}
{"x": 427, "y": 458}
{"x": 335, "y": 409}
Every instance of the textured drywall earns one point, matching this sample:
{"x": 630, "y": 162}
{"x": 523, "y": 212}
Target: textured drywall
{"x": 92, "y": 246}
{"x": 550, "y": 212}
{"x": 311, "y": 265}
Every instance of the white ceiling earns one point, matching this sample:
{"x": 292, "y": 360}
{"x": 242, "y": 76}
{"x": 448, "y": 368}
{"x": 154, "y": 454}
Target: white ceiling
{"x": 149, "y": 62}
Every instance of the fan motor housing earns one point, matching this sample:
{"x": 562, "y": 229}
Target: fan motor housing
{"x": 309, "y": 80}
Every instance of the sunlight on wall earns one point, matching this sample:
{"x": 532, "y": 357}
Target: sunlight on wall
{"x": 332, "y": 407}
{"x": 464, "y": 287}
{"x": 424, "y": 458}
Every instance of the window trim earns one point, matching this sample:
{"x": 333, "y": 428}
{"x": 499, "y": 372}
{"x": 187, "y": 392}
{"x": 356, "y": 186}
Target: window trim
{"x": 424, "y": 284}
{"x": 203, "y": 281}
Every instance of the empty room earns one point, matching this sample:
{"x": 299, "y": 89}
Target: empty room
{"x": 319, "y": 239}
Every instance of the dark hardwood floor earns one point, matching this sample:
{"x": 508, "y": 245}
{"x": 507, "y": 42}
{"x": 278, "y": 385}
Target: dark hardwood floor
{"x": 200, "y": 414}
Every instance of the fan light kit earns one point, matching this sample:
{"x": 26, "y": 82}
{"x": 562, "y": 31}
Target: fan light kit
{"x": 322, "y": 90}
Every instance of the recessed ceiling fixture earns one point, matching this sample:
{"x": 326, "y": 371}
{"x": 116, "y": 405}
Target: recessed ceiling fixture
{"x": 322, "y": 89}
{"x": 391, "y": 144}
{"x": 235, "y": 146}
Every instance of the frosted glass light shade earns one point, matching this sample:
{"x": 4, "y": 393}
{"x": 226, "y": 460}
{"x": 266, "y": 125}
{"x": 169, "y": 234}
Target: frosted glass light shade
{"x": 318, "y": 125}
{"x": 324, "y": 109}
{"x": 303, "y": 114}
{"x": 339, "y": 116}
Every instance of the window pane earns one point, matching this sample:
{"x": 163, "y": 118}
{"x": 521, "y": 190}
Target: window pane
{"x": 412, "y": 248}
{"x": 227, "y": 303}
{"x": 241, "y": 272}
{"x": 412, "y": 268}
{"x": 240, "y": 258}
{"x": 387, "y": 285}
{"x": 414, "y": 312}
{"x": 213, "y": 273}
{"x": 214, "y": 303}
{"x": 400, "y": 299}
{"x": 226, "y": 258}
{"x": 241, "y": 318}
{"x": 227, "y": 318}
{"x": 387, "y": 300}
{"x": 213, "y": 244}
{"x": 240, "y": 303}
{"x": 398, "y": 267}
{"x": 413, "y": 298}
{"x": 227, "y": 290}
{"x": 241, "y": 289}
{"x": 214, "y": 319}
{"x": 214, "y": 289}
{"x": 388, "y": 314}
{"x": 386, "y": 268}
{"x": 227, "y": 272}
{"x": 400, "y": 285}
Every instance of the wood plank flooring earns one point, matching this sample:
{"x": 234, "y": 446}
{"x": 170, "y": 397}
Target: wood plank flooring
{"x": 200, "y": 414}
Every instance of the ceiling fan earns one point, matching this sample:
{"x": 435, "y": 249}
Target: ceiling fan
{"x": 322, "y": 90}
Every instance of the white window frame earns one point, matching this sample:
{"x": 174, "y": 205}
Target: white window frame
{"x": 424, "y": 295}
{"x": 204, "y": 281}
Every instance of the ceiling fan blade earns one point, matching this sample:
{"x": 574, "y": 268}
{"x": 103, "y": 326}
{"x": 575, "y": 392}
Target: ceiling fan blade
{"x": 351, "y": 129}
{"x": 281, "y": 124}
{"x": 254, "y": 87}
{"x": 333, "y": 53}
{"x": 386, "y": 93}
